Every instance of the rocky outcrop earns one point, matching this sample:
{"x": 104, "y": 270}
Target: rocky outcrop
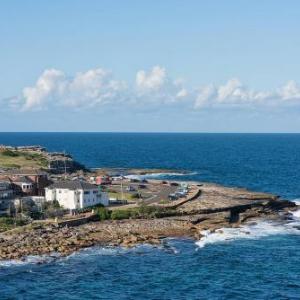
{"x": 47, "y": 238}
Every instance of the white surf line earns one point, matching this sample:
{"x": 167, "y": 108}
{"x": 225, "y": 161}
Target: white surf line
{"x": 255, "y": 230}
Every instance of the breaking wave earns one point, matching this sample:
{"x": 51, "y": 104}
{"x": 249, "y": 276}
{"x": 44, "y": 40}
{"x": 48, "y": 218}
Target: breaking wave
{"x": 254, "y": 230}
{"x": 141, "y": 249}
{"x": 165, "y": 175}
{"x": 31, "y": 259}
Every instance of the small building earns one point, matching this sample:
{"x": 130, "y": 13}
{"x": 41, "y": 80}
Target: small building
{"x": 37, "y": 178}
{"x": 24, "y": 185}
{"x": 75, "y": 194}
{"x": 103, "y": 180}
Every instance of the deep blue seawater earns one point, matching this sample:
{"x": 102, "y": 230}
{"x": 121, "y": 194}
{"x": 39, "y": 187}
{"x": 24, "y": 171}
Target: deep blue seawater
{"x": 256, "y": 267}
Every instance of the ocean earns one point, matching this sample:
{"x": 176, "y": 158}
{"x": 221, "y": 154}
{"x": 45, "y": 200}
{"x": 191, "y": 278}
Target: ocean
{"x": 259, "y": 261}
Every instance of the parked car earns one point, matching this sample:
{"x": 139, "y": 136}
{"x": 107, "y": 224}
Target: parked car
{"x": 172, "y": 197}
{"x": 134, "y": 180}
{"x": 130, "y": 188}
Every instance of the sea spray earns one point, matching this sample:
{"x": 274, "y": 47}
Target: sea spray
{"x": 254, "y": 230}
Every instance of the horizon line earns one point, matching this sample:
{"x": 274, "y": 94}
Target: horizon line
{"x": 151, "y": 132}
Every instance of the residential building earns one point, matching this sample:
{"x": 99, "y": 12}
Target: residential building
{"x": 75, "y": 194}
{"x": 103, "y": 180}
{"x": 27, "y": 181}
{"x": 24, "y": 185}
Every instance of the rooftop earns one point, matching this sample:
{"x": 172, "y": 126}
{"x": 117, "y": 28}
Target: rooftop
{"x": 23, "y": 179}
{"x": 25, "y": 172}
{"x": 72, "y": 185}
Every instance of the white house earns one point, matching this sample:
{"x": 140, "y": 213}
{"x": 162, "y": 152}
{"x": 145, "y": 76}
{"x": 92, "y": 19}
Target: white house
{"x": 75, "y": 194}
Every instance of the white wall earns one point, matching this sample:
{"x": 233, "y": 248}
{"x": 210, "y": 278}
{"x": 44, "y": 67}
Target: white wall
{"x": 92, "y": 197}
{"x": 49, "y": 194}
{"x": 104, "y": 199}
{"x": 71, "y": 199}
{"x": 68, "y": 198}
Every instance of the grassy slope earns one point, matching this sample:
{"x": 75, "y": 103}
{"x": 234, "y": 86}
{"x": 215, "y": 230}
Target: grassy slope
{"x": 21, "y": 159}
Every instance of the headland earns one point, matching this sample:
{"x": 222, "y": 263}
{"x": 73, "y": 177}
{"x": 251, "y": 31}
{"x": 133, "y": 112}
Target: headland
{"x": 138, "y": 210}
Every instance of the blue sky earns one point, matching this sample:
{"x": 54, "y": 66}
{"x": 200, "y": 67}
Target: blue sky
{"x": 201, "y": 66}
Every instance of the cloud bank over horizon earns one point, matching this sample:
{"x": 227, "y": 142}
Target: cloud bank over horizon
{"x": 155, "y": 88}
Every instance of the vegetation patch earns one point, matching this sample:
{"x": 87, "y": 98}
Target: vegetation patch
{"x": 125, "y": 196}
{"x": 7, "y": 223}
{"x": 22, "y": 159}
{"x": 143, "y": 212}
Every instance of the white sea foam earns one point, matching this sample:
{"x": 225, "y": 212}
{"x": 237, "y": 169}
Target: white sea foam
{"x": 158, "y": 175}
{"x": 86, "y": 252}
{"x": 31, "y": 259}
{"x": 98, "y": 251}
{"x": 296, "y": 214}
{"x": 253, "y": 230}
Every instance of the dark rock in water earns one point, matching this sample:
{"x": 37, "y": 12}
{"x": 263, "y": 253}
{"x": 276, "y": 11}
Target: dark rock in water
{"x": 252, "y": 223}
{"x": 288, "y": 217}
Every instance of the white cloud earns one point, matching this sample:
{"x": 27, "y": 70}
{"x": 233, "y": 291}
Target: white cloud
{"x": 291, "y": 91}
{"x": 85, "y": 89}
{"x": 182, "y": 93}
{"x": 234, "y": 93}
{"x": 152, "y": 89}
{"x": 153, "y": 80}
{"x": 48, "y": 84}
{"x": 97, "y": 87}
{"x": 205, "y": 95}
{"x": 155, "y": 87}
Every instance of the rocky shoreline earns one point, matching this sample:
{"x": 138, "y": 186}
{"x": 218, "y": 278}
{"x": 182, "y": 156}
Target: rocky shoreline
{"x": 47, "y": 238}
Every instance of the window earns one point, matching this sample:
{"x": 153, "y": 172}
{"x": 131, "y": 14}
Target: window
{"x": 95, "y": 192}
{"x": 86, "y": 192}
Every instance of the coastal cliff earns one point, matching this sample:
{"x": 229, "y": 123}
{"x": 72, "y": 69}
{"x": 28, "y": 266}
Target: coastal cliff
{"x": 37, "y": 157}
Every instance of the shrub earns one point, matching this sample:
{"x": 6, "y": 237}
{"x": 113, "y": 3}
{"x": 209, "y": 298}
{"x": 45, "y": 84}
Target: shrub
{"x": 147, "y": 211}
{"x": 36, "y": 215}
{"x": 103, "y": 213}
{"x": 55, "y": 204}
{"x": 10, "y": 153}
{"x": 120, "y": 214}
{"x": 51, "y": 205}
{"x": 89, "y": 208}
{"x": 135, "y": 196}
{"x": 143, "y": 211}
{"x": 52, "y": 209}
{"x": 7, "y": 223}
{"x": 52, "y": 212}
